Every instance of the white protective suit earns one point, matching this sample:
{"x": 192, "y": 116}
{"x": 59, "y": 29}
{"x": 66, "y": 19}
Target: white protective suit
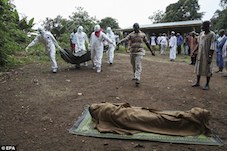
{"x": 163, "y": 43}
{"x": 48, "y": 40}
{"x": 81, "y": 38}
{"x": 111, "y": 47}
{"x": 172, "y": 46}
{"x": 96, "y": 43}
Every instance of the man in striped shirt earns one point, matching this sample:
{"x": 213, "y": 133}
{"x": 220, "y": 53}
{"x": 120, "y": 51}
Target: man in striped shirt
{"x": 136, "y": 40}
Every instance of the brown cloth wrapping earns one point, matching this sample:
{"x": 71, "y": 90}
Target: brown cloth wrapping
{"x": 125, "y": 119}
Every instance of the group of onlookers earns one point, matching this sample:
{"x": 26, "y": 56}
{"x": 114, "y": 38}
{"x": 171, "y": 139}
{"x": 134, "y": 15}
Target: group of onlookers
{"x": 189, "y": 43}
{"x": 176, "y": 43}
{"x": 199, "y": 46}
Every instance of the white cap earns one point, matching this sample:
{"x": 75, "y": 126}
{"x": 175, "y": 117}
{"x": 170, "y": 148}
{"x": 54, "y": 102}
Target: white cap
{"x": 172, "y": 32}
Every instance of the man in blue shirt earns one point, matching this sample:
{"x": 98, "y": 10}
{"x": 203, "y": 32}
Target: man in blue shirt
{"x": 180, "y": 41}
{"x": 220, "y": 43}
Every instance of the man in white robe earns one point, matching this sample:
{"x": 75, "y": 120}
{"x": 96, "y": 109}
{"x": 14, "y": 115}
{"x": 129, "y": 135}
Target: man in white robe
{"x": 172, "y": 46}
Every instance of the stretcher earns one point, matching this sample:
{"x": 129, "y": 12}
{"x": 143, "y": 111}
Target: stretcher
{"x": 67, "y": 56}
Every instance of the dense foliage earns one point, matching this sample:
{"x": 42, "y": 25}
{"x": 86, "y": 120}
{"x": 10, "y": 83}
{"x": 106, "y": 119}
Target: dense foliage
{"x": 109, "y": 22}
{"x": 219, "y": 20}
{"x": 58, "y": 26}
{"x": 180, "y": 11}
{"x": 13, "y": 32}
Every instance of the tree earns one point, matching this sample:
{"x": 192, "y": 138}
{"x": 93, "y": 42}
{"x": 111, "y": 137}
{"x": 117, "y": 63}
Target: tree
{"x": 223, "y": 4}
{"x": 157, "y": 16}
{"x": 25, "y": 25}
{"x": 55, "y": 26}
{"x": 109, "y": 22}
{"x": 59, "y": 25}
{"x": 219, "y": 19}
{"x": 82, "y": 18}
{"x": 180, "y": 11}
{"x": 11, "y": 31}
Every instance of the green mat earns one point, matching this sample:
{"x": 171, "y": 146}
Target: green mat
{"x": 84, "y": 126}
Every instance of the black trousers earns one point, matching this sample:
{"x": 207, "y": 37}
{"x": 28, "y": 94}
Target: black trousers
{"x": 179, "y": 49}
{"x": 193, "y": 59}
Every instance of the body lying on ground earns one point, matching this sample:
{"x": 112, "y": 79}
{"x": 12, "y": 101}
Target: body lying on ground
{"x": 125, "y": 119}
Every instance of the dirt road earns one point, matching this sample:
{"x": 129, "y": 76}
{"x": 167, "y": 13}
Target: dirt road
{"x": 38, "y": 107}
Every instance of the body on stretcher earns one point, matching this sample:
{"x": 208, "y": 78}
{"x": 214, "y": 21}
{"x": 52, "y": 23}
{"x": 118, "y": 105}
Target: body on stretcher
{"x": 69, "y": 57}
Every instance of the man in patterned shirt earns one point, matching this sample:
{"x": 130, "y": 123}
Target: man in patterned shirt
{"x": 136, "y": 40}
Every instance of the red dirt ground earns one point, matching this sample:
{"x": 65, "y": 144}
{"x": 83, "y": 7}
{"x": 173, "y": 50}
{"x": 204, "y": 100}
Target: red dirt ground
{"x": 38, "y": 107}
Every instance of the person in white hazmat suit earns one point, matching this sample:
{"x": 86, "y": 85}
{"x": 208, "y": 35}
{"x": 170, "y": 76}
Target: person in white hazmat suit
{"x": 48, "y": 40}
{"x": 81, "y": 40}
{"x": 111, "y": 47}
{"x": 96, "y": 43}
{"x": 172, "y": 46}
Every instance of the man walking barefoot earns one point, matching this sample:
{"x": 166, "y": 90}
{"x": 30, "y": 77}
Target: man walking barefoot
{"x": 205, "y": 53}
